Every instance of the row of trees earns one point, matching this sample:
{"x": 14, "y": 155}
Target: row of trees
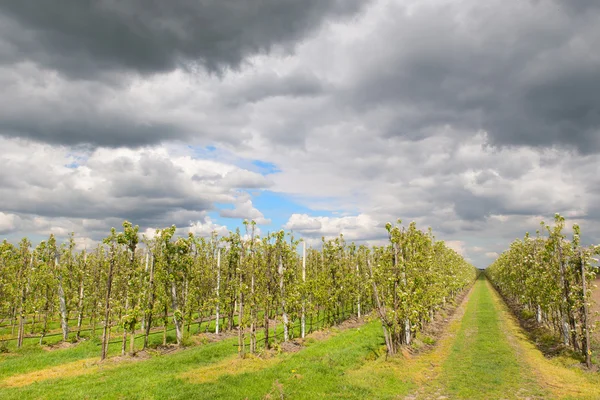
{"x": 412, "y": 278}
{"x": 242, "y": 282}
{"x": 552, "y": 278}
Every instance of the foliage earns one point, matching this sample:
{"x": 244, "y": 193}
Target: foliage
{"x": 550, "y": 277}
{"x": 136, "y": 286}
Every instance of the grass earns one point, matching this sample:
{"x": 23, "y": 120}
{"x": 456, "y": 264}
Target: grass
{"x": 31, "y": 357}
{"x": 482, "y": 363}
{"x": 483, "y": 354}
{"x": 319, "y": 370}
{"x": 562, "y": 376}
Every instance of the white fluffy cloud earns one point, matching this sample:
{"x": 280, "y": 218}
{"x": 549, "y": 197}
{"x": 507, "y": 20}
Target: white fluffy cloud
{"x": 245, "y": 210}
{"x": 8, "y": 222}
{"x": 360, "y": 227}
{"x": 56, "y": 189}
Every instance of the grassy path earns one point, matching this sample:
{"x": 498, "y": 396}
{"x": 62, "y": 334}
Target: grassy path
{"x": 484, "y": 362}
{"x": 490, "y": 357}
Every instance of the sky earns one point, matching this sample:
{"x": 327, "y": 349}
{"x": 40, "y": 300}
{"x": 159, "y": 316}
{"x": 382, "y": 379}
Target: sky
{"x": 477, "y": 119}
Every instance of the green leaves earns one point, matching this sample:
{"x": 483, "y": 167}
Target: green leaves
{"x": 545, "y": 275}
{"x": 411, "y": 277}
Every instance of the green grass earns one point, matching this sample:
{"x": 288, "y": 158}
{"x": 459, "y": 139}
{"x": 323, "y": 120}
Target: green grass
{"x": 483, "y": 364}
{"x": 484, "y": 355}
{"x": 318, "y": 371}
{"x": 32, "y": 357}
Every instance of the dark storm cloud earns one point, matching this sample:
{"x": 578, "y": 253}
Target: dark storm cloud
{"x": 99, "y": 47}
{"x": 265, "y": 86}
{"x": 524, "y": 72}
{"x": 101, "y": 129}
{"x": 83, "y": 38}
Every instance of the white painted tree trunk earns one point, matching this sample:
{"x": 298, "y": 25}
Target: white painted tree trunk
{"x": 176, "y": 314}
{"x": 566, "y": 330}
{"x": 407, "y": 332}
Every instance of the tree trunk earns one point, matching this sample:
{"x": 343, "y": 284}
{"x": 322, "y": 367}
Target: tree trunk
{"x": 106, "y": 329}
{"x": 13, "y": 320}
{"x": 165, "y": 323}
{"x": 124, "y": 341}
{"x": 253, "y": 316}
{"x": 148, "y": 314}
{"x": 21, "y": 331}
{"x": 64, "y": 323}
{"x": 218, "y": 287}
{"x": 46, "y": 308}
{"x": 389, "y": 341}
{"x": 141, "y": 298}
{"x": 22, "y": 317}
{"x": 241, "y": 343}
{"x": 81, "y": 296}
{"x": 177, "y": 315}
{"x": 283, "y": 305}
{"x": 358, "y": 296}
{"x": 132, "y": 344}
{"x": 587, "y": 352}
{"x": 303, "y": 316}
{"x": 266, "y": 323}
{"x": 564, "y": 312}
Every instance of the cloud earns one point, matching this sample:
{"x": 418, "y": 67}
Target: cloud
{"x": 243, "y": 209}
{"x": 206, "y": 227}
{"x": 54, "y": 187}
{"x": 240, "y": 178}
{"x": 354, "y": 228}
{"x": 524, "y": 72}
{"x": 84, "y": 39}
{"x": 478, "y": 120}
{"x": 457, "y": 245}
{"x": 8, "y": 223}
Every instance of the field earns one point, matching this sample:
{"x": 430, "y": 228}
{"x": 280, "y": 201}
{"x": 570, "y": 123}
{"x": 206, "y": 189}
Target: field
{"x": 481, "y": 354}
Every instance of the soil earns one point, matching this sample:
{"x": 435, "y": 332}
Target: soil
{"x": 59, "y": 346}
